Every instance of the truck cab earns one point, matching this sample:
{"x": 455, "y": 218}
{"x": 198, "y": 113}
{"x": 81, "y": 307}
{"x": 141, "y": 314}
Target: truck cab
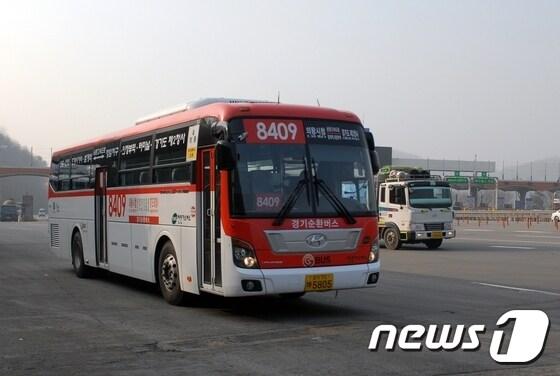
{"x": 414, "y": 207}
{"x": 9, "y": 211}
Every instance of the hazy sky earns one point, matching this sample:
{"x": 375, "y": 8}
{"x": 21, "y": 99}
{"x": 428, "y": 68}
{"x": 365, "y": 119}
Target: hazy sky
{"x": 444, "y": 79}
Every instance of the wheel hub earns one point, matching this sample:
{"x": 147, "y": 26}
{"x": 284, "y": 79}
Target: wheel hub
{"x": 169, "y": 272}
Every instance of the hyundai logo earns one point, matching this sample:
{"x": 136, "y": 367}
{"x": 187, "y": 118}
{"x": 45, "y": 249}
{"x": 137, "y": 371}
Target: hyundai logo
{"x": 316, "y": 240}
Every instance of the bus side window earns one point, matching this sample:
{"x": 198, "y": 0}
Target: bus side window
{"x": 382, "y": 195}
{"x": 106, "y": 156}
{"x": 64, "y": 175}
{"x": 80, "y": 171}
{"x": 170, "y": 157}
{"x": 135, "y": 161}
{"x": 53, "y": 178}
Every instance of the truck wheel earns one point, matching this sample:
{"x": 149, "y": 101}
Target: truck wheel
{"x": 433, "y": 243}
{"x": 556, "y": 219}
{"x": 392, "y": 238}
{"x": 80, "y": 267}
{"x": 168, "y": 275}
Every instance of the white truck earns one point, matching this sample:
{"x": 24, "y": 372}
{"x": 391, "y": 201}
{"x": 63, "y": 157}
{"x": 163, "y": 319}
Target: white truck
{"x": 414, "y": 207}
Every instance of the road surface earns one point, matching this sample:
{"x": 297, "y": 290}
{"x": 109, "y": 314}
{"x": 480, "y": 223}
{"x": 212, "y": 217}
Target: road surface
{"x": 52, "y": 323}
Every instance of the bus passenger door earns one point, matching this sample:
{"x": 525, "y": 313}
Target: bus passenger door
{"x": 211, "y": 228}
{"x": 101, "y": 216}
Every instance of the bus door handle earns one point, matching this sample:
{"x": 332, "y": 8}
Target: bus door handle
{"x": 209, "y": 212}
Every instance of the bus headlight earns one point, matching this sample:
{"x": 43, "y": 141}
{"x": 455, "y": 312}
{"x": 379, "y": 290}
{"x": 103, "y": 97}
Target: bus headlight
{"x": 374, "y": 252}
{"x": 244, "y": 255}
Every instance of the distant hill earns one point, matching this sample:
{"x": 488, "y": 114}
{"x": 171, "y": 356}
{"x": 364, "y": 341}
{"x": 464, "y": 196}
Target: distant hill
{"x": 404, "y": 155}
{"x": 12, "y": 154}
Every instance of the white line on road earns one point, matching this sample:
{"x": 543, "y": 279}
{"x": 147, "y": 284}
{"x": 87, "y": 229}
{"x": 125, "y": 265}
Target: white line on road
{"x": 477, "y": 230}
{"x": 517, "y": 288}
{"x": 540, "y": 236}
{"x": 531, "y": 231}
{"x": 510, "y": 247}
{"x": 506, "y": 241}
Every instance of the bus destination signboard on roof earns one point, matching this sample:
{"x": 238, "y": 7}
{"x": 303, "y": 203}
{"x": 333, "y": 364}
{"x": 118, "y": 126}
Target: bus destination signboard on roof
{"x": 274, "y": 131}
{"x": 321, "y": 133}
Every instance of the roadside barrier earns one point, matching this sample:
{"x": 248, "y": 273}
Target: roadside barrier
{"x": 527, "y": 218}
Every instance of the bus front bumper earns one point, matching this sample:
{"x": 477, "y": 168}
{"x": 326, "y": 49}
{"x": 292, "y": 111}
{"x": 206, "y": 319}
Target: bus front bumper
{"x": 285, "y": 281}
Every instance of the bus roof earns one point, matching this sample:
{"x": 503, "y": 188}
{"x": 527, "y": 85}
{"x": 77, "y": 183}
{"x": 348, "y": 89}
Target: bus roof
{"x": 222, "y": 111}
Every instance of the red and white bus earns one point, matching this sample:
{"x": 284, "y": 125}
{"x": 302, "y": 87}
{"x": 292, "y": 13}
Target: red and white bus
{"x": 231, "y": 197}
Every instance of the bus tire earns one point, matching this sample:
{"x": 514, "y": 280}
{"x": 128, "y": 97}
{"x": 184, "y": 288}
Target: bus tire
{"x": 168, "y": 275}
{"x": 392, "y": 238}
{"x": 433, "y": 243}
{"x": 80, "y": 267}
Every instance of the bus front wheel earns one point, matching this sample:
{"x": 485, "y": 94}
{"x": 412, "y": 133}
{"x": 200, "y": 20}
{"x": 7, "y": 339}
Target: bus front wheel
{"x": 168, "y": 275}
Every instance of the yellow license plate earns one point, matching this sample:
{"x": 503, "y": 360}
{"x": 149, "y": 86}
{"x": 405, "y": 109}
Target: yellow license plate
{"x": 437, "y": 235}
{"x": 319, "y": 282}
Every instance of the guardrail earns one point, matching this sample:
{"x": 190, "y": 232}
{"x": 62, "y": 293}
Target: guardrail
{"x": 504, "y": 213}
{"x": 504, "y": 216}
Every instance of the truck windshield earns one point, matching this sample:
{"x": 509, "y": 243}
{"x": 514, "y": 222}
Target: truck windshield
{"x": 430, "y": 196}
{"x": 268, "y": 173}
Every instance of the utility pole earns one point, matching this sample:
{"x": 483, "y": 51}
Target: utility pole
{"x": 474, "y": 185}
{"x": 531, "y": 171}
{"x": 496, "y": 197}
{"x": 544, "y": 171}
{"x": 503, "y": 169}
{"x": 517, "y": 170}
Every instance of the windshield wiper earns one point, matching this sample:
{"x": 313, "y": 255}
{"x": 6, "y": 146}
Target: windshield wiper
{"x": 331, "y": 197}
{"x": 293, "y": 197}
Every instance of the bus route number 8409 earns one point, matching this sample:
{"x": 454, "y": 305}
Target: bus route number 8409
{"x": 274, "y": 131}
{"x": 277, "y": 131}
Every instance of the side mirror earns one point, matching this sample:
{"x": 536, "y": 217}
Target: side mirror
{"x": 374, "y": 161}
{"x": 219, "y": 130}
{"x": 370, "y": 142}
{"x": 372, "y": 153}
{"x": 224, "y": 156}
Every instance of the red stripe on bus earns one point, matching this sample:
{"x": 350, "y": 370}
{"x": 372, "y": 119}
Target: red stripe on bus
{"x": 183, "y": 188}
{"x": 130, "y": 191}
{"x": 146, "y": 219}
{"x": 80, "y": 193}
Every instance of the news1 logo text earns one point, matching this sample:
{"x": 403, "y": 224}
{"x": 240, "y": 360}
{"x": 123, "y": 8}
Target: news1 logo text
{"x": 526, "y": 343}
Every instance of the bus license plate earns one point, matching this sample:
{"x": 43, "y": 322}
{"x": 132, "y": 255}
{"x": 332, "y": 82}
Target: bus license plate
{"x": 319, "y": 282}
{"x": 437, "y": 235}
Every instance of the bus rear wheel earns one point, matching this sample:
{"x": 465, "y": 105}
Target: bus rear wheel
{"x": 433, "y": 243}
{"x": 168, "y": 275}
{"x": 392, "y": 238}
{"x": 80, "y": 267}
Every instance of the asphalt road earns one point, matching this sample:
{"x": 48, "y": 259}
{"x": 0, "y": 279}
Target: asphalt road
{"x": 52, "y": 323}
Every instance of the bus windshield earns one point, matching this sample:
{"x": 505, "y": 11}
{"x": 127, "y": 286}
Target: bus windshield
{"x": 430, "y": 196}
{"x": 268, "y": 174}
